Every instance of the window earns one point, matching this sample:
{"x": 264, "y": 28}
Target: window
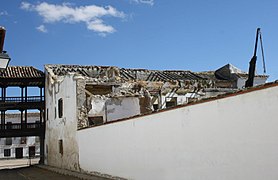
{"x": 60, "y": 107}
{"x": 37, "y": 139}
{"x": 171, "y": 102}
{"x": 61, "y": 146}
{"x": 47, "y": 114}
{"x": 7, "y": 152}
{"x": 155, "y": 107}
{"x": 23, "y": 140}
{"x": 96, "y": 120}
{"x": 55, "y": 113}
{"x": 99, "y": 89}
{"x": 9, "y": 141}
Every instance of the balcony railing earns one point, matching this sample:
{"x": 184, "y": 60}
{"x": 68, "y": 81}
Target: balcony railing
{"x": 22, "y": 99}
{"x": 18, "y": 129}
{"x": 19, "y": 126}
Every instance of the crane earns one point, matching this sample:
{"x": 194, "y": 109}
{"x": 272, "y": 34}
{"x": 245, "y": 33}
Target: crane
{"x": 252, "y": 64}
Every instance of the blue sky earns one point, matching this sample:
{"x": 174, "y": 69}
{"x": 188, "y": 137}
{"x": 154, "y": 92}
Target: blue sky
{"x": 154, "y": 34}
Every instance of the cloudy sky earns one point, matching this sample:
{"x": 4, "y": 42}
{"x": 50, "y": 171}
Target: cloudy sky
{"x": 192, "y": 35}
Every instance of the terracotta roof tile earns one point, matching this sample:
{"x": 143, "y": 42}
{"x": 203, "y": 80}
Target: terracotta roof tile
{"x": 21, "y": 72}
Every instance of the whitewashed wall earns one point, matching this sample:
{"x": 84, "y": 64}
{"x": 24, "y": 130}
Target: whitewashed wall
{"x": 16, "y": 143}
{"x": 61, "y": 128}
{"x": 181, "y": 99}
{"x": 114, "y": 108}
{"x": 30, "y": 141}
{"x": 118, "y": 108}
{"x": 230, "y": 138}
{"x": 257, "y": 81}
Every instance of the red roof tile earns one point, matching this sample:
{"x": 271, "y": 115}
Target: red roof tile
{"x": 21, "y": 72}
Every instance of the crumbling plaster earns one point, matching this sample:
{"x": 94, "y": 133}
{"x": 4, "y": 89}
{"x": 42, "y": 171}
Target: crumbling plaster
{"x": 63, "y": 128}
{"x": 143, "y": 93}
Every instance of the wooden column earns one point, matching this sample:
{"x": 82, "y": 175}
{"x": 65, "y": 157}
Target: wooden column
{"x": 22, "y": 94}
{"x": 3, "y": 117}
{"x": 21, "y": 119}
{"x": 26, "y": 95}
{"x": 41, "y": 149}
{"x": 2, "y": 99}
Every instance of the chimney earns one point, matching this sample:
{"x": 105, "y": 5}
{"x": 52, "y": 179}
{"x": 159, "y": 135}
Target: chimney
{"x": 2, "y": 38}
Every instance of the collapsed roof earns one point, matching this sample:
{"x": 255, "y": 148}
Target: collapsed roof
{"x": 225, "y": 73}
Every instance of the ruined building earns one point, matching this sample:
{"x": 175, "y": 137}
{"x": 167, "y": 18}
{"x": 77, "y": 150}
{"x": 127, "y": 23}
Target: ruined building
{"x": 78, "y": 99}
{"x": 107, "y": 93}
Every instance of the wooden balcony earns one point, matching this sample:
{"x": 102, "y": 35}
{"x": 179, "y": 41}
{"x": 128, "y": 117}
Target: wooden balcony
{"x": 21, "y": 103}
{"x": 24, "y": 129}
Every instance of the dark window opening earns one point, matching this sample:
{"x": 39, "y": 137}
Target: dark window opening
{"x": 9, "y": 141}
{"x": 155, "y": 107}
{"x": 99, "y": 89}
{"x": 19, "y": 153}
{"x": 171, "y": 102}
{"x": 55, "y": 112}
{"x": 47, "y": 114}
{"x": 7, "y": 152}
{"x": 60, "y": 108}
{"x": 96, "y": 120}
{"x": 61, "y": 146}
{"x": 23, "y": 140}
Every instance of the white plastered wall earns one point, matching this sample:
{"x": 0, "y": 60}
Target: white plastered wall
{"x": 230, "y": 138}
{"x": 114, "y": 108}
{"x": 257, "y": 81}
{"x": 63, "y": 128}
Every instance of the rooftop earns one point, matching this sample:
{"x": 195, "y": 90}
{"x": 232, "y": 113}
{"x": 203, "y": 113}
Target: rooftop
{"x": 227, "y": 73}
{"x": 21, "y": 75}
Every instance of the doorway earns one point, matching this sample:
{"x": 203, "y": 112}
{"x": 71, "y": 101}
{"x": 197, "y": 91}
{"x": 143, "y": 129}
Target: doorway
{"x": 18, "y": 153}
{"x": 32, "y": 151}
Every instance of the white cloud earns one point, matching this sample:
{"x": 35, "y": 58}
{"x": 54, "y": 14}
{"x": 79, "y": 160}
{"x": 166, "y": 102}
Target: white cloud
{"x": 41, "y": 28}
{"x": 90, "y": 15}
{"x": 4, "y": 13}
{"x": 149, "y": 2}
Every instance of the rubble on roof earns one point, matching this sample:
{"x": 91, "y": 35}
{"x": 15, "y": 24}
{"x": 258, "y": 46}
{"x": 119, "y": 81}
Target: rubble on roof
{"x": 104, "y": 89}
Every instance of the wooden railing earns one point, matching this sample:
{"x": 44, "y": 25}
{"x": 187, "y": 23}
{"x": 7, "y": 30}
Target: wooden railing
{"x": 22, "y": 99}
{"x": 19, "y": 126}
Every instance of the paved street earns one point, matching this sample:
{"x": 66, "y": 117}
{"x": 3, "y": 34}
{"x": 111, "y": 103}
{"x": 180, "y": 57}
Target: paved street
{"x": 31, "y": 173}
{"x": 16, "y": 163}
{"x": 19, "y": 169}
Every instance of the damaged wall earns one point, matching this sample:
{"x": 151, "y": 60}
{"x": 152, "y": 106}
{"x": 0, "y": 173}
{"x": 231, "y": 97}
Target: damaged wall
{"x": 122, "y": 107}
{"x": 61, "y": 146}
{"x": 114, "y": 108}
{"x": 257, "y": 81}
{"x": 212, "y": 140}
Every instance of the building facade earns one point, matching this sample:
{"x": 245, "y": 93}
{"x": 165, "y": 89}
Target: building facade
{"x": 20, "y": 147}
{"x": 22, "y": 111}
